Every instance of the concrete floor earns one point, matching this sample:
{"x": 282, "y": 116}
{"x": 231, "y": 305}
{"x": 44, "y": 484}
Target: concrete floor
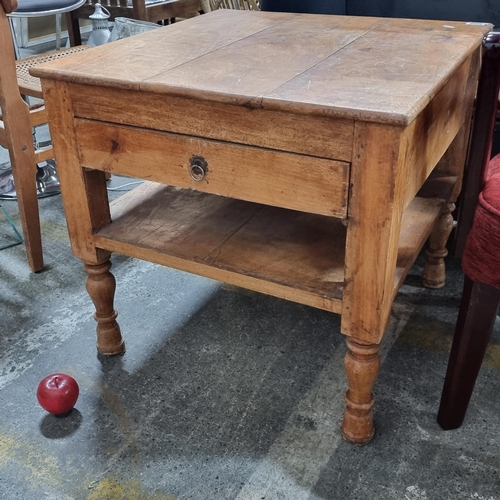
{"x": 225, "y": 394}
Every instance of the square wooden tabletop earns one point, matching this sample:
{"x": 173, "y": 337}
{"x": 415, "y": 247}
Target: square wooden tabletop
{"x": 374, "y": 69}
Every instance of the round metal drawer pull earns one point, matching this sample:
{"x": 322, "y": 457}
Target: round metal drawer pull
{"x": 198, "y": 168}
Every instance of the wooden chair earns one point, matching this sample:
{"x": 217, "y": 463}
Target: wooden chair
{"x": 42, "y": 8}
{"x": 478, "y": 242}
{"x": 235, "y": 4}
{"x": 17, "y": 120}
{"x": 142, "y": 10}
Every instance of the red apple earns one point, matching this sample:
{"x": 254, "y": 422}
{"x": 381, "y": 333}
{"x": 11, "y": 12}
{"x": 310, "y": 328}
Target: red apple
{"x": 57, "y": 393}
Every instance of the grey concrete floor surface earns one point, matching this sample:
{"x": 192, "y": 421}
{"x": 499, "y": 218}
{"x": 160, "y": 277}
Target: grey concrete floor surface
{"x": 225, "y": 394}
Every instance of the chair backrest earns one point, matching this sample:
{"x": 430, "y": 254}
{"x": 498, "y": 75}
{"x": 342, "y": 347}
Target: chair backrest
{"x": 235, "y": 4}
{"x": 9, "y": 89}
{"x": 111, "y": 3}
{"x": 16, "y": 136}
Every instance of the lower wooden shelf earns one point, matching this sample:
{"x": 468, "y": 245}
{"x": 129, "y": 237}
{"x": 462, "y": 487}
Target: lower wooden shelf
{"x": 293, "y": 255}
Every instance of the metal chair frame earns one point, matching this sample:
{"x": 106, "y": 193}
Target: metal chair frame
{"x": 48, "y": 12}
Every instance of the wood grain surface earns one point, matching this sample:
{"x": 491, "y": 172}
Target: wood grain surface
{"x": 381, "y": 70}
{"x": 320, "y": 136}
{"x": 298, "y": 182}
{"x": 316, "y": 133}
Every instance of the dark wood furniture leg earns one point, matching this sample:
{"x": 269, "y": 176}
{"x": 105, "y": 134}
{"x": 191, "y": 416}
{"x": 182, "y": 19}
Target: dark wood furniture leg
{"x": 101, "y": 287}
{"x": 476, "y": 318}
{"x": 74, "y": 34}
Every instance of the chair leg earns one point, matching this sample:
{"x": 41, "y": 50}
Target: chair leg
{"x": 25, "y": 181}
{"x": 22, "y": 160}
{"x": 74, "y": 34}
{"x": 476, "y": 319}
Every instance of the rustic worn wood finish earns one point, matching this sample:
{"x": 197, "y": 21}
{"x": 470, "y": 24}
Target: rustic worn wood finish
{"x": 286, "y": 180}
{"x": 320, "y": 183}
{"x": 17, "y": 120}
{"x": 16, "y": 136}
{"x": 101, "y": 287}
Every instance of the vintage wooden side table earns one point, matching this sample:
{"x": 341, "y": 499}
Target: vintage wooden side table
{"x": 308, "y": 157}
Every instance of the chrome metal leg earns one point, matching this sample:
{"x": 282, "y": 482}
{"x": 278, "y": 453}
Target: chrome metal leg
{"x": 58, "y": 31}
{"x": 47, "y": 182}
{"x": 14, "y": 38}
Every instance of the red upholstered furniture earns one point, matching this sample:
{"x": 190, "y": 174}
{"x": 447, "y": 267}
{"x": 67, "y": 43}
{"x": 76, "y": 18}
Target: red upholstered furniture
{"x": 479, "y": 237}
{"x": 481, "y": 259}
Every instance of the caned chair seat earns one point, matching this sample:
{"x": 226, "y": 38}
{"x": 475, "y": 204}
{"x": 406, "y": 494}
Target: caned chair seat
{"x": 30, "y": 85}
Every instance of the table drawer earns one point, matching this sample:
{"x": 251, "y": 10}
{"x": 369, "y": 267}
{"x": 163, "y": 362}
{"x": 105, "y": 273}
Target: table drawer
{"x": 288, "y": 180}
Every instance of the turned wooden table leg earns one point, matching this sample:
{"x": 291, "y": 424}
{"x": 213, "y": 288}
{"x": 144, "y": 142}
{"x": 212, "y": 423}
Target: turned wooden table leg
{"x": 434, "y": 275}
{"x": 101, "y": 288}
{"x": 362, "y": 364}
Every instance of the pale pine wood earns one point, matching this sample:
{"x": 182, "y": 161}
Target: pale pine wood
{"x": 319, "y": 136}
{"x": 17, "y": 138}
{"x": 434, "y": 275}
{"x": 285, "y": 180}
{"x": 85, "y": 202}
{"x": 126, "y": 63}
{"x": 226, "y": 68}
{"x": 44, "y": 154}
{"x": 245, "y": 244}
{"x": 38, "y": 116}
{"x": 270, "y": 248}
{"x": 433, "y": 27}
{"x": 453, "y": 161}
{"x": 16, "y": 122}
{"x": 362, "y": 82}
{"x": 416, "y": 225}
{"x": 428, "y": 137}
{"x": 362, "y": 365}
{"x": 101, "y": 287}
{"x": 375, "y": 210}
{"x": 229, "y": 77}
{"x": 353, "y": 80}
